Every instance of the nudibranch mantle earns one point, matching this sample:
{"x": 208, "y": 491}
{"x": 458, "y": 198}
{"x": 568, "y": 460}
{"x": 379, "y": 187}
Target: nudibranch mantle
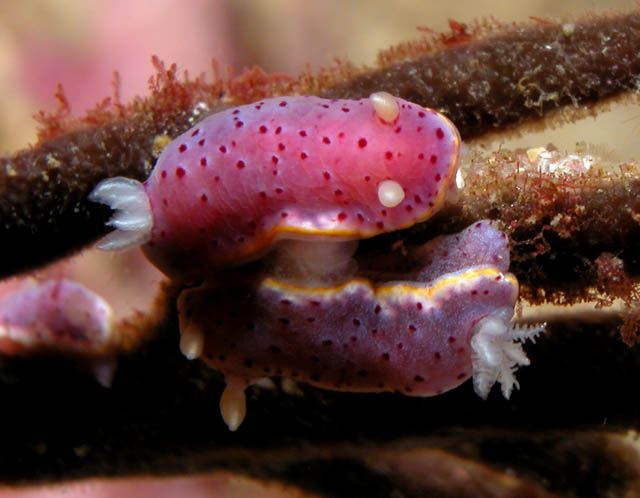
{"x": 297, "y": 167}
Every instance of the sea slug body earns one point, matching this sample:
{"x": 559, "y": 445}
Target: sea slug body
{"x": 418, "y": 337}
{"x": 301, "y": 167}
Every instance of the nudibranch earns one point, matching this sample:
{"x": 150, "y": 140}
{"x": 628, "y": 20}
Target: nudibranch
{"x": 298, "y": 167}
{"x": 420, "y": 336}
{"x": 59, "y": 316}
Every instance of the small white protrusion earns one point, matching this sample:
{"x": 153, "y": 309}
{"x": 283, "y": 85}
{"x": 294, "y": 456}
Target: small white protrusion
{"x": 385, "y": 105}
{"x": 191, "y": 342}
{"x": 535, "y": 152}
{"x": 568, "y": 28}
{"x": 390, "y": 193}
{"x": 233, "y": 403}
{"x": 132, "y": 219}
{"x": 264, "y": 383}
{"x": 452, "y": 193}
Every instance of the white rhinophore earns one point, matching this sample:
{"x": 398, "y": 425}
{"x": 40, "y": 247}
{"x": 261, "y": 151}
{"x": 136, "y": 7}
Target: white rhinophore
{"x": 385, "y": 105}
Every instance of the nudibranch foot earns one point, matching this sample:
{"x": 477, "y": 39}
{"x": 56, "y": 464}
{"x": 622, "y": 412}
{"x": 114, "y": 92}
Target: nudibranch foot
{"x": 497, "y": 352}
{"x": 132, "y": 219}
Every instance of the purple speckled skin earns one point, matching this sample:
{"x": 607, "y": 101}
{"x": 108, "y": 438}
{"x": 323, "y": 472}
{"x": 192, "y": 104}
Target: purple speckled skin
{"x": 477, "y": 245}
{"x": 413, "y": 338}
{"x": 292, "y": 167}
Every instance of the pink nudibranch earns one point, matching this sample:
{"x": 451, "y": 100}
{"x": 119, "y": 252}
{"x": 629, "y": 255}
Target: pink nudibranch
{"x": 298, "y": 167}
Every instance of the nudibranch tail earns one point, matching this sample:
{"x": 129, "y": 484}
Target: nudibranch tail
{"x": 133, "y": 217}
{"x": 497, "y": 352}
